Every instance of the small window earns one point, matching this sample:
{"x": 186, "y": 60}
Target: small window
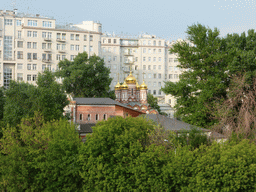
{"x": 105, "y": 116}
{"x": 97, "y": 117}
{"x": 81, "y": 117}
{"x": 89, "y": 117}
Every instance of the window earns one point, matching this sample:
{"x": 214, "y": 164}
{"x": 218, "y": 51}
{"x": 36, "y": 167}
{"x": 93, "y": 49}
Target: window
{"x": 104, "y": 49}
{"x": 149, "y": 59}
{"x": 63, "y": 36}
{"x": 18, "y": 22}
{"x": 20, "y": 44}
{"x": 19, "y": 54}
{"x": 175, "y": 60}
{"x": 114, "y": 58}
{"x": 154, "y": 59}
{"x": 34, "y": 66}
{"x": 154, "y": 66}
{"x": 34, "y": 33}
{"x": 159, "y": 50}
{"x": 149, "y": 50}
{"x": 154, "y": 75}
{"x": 8, "y": 21}
{"x": 58, "y": 35}
{"x": 154, "y": 42}
{"x": 136, "y": 67}
{"x": 63, "y": 46}
{"x": 84, "y": 47}
{"x": 34, "y": 56}
{"x": 149, "y": 75}
{"x": 91, "y": 37}
{"x": 19, "y": 34}
{"x": 47, "y": 24}
{"x": 154, "y": 84}
{"x": 159, "y": 84}
{"x": 7, "y": 76}
{"x": 72, "y": 57}
{"x": 85, "y": 37}
{"x": 43, "y": 34}
{"x": 58, "y": 57}
{"x": 149, "y": 91}
{"x": 114, "y": 41}
{"x": 144, "y": 58}
{"x": 144, "y": 42}
{"x": 105, "y": 116}
{"x": 34, "y": 77}
{"x": 109, "y": 58}
{"x": 29, "y": 56}
{"x": 49, "y": 67}
{"x": 89, "y": 117}
{"x": 72, "y": 47}
{"x": 159, "y": 66}
{"x": 159, "y": 76}
{"x": 91, "y": 48}
{"x": 29, "y": 33}
{"x": 149, "y": 67}
{"x": 159, "y": 59}
{"x": 34, "y": 45}
{"x": 144, "y": 67}
{"x": 32, "y": 23}
{"x": 28, "y": 77}
{"x": 159, "y": 92}
{"x": 43, "y": 66}
{"x": 170, "y": 76}
{"x": 109, "y": 40}
{"x": 80, "y": 117}
{"x": 28, "y": 66}
{"x": 149, "y": 42}
{"x": 154, "y": 92}
{"x": 43, "y": 56}
{"x": 154, "y": 50}
{"x": 58, "y": 46}
{"x": 175, "y": 76}
{"x": 170, "y": 60}
{"x": 20, "y": 76}
{"x": 72, "y": 36}
{"x": 19, "y": 66}
{"x": 114, "y": 50}
{"x": 49, "y": 35}
{"x": 77, "y": 47}
{"x": 77, "y": 37}
{"x": 144, "y": 50}
{"x": 97, "y": 117}
{"x": 63, "y": 57}
{"x": 28, "y": 45}
{"x": 104, "y": 41}
{"x": 109, "y": 49}
{"x": 159, "y": 43}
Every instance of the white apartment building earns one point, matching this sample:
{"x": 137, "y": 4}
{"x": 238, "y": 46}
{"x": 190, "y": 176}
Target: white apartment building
{"x": 149, "y": 58}
{"x": 31, "y": 43}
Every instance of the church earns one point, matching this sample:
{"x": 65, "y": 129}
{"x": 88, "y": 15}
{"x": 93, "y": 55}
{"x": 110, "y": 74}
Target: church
{"x": 133, "y": 95}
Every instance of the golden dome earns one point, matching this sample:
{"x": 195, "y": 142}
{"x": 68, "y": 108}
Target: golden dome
{"x": 137, "y": 85}
{"x": 118, "y": 86}
{"x": 124, "y": 86}
{"x": 143, "y": 86}
{"x": 130, "y": 79}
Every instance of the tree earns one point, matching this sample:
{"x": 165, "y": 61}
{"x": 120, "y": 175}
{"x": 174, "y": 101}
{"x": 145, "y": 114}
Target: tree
{"x": 152, "y": 101}
{"x": 40, "y": 156}
{"x": 210, "y": 61}
{"x": 1, "y": 104}
{"x": 85, "y": 77}
{"x": 23, "y": 99}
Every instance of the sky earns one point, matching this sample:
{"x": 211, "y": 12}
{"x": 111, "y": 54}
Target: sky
{"x": 167, "y": 19}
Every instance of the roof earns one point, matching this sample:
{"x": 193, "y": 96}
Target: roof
{"x": 100, "y": 101}
{"x": 171, "y": 124}
{"x": 86, "y": 128}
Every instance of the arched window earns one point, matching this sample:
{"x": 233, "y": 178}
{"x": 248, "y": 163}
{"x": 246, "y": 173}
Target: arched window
{"x": 81, "y": 117}
{"x": 97, "y": 117}
{"x": 89, "y": 117}
{"x": 105, "y": 116}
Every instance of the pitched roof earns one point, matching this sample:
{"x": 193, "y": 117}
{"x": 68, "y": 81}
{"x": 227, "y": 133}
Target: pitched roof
{"x": 171, "y": 124}
{"x": 100, "y": 101}
{"x": 86, "y": 127}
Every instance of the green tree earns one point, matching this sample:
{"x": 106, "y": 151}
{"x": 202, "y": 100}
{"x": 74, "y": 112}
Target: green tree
{"x": 1, "y": 104}
{"x": 152, "y": 101}
{"x": 23, "y": 99}
{"x": 86, "y": 76}
{"x": 40, "y": 156}
{"x": 210, "y": 62}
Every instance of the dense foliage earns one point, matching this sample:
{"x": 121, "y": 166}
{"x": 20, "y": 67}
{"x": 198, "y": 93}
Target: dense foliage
{"x": 86, "y": 76}
{"x": 40, "y": 156}
{"x": 23, "y": 99}
{"x": 211, "y": 61}
{"x": 152, "y": 101}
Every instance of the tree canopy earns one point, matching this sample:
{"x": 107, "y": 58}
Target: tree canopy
{"x": 23, "y": 99}
{"x": 86, "y": 76}
{"x": 152, "y": 101}
{"x": 210, "y": 61}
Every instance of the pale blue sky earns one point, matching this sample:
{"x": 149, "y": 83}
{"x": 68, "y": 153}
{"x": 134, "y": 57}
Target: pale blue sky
{"x": 164, "y": 18}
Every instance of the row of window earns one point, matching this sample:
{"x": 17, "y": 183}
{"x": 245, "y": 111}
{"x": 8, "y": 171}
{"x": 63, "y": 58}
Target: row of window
{"x": 29, "y": 77}
{"x": 110, "y": 58}
{"x": 175, "y": 60}
{"x": 174, "y": 76}
{"x": 149, "y": 42}
{"x": 33, "y": 66}
{"x": 154, "y": 76}
{"x": 154, "y": 59}
{"x": 149, "y": 51}
{"x": 32, "y": 23}
{"x": 154, "y": 67}
{"x": 154, "y": 92}
{"x": 88, "y": 117}
{"x": 109, "y": 41}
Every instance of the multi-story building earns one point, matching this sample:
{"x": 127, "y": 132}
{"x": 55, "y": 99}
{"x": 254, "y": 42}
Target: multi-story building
{"x": 147, "y": 55}
{"x": 31, "y": 43}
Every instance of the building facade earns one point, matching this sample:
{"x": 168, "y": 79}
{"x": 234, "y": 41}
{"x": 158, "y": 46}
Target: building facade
{"x": 31, "y": 43}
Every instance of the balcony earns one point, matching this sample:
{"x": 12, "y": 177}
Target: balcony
{"x": 128, "y": 62}
{"x": 60, "y": 40}
{"x": 128, "y": 53}
{"x": 62, "y": 51}
{"x": 47, "y": 50}
{"x": 47, "y": 60}
{"x": 47, "y": 39}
